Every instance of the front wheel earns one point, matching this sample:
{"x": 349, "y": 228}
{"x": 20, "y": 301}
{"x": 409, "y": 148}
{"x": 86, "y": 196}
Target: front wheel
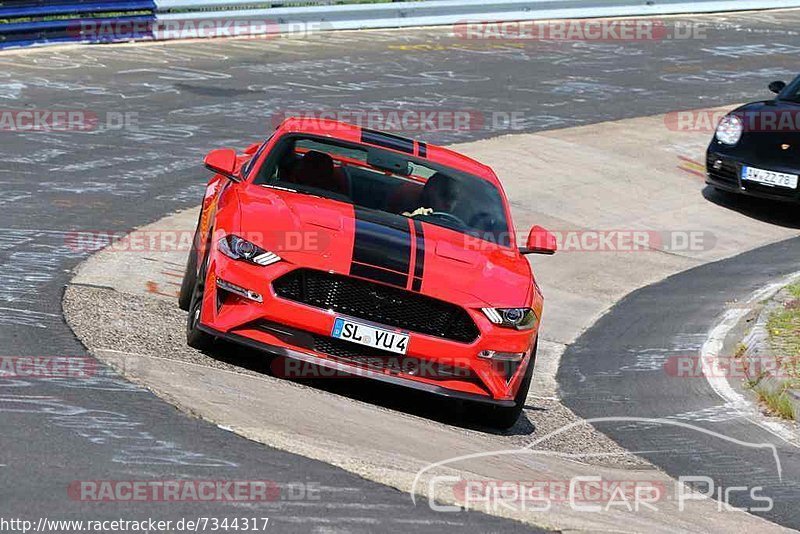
{"x": 189, "y": 280}
{"x": 504, "y": 418}
{"x": 195, "y": 337}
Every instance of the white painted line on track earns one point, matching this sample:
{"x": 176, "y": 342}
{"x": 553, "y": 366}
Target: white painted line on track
{"x": 713, "y": 370}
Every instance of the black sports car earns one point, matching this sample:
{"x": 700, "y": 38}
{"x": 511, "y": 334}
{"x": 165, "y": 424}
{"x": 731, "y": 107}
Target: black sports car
{"x": 756, "y": 148}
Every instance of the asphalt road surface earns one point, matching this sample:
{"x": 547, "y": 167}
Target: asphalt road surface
{"x": 621, "y": 368}
{"x": 177, "y": 101}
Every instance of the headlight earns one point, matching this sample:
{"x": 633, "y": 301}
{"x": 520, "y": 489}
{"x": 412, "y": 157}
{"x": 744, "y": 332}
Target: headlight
{"x": 240, "y": 249}
{"x": 519, "y": 318}
{"x": 730, "y": 130}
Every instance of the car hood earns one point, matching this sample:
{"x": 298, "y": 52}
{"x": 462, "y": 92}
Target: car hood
{"x": 772, "y": 133}
{"x": 324, "y": 234}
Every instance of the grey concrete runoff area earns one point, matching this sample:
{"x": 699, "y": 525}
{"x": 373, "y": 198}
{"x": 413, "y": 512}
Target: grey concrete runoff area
{"x": 594, "y": 148}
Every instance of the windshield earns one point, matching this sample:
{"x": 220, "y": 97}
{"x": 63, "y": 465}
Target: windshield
{"x": 792, "y": 92}
{"x": 373, "y": 178}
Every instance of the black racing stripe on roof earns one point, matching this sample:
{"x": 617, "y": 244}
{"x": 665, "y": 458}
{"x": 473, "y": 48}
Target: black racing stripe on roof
{"x": 423, "y": 149}
{"x": 395, "y": 142}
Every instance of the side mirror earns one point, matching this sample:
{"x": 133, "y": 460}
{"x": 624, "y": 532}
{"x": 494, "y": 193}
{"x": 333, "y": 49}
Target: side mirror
{"x": 540, "y": 241}
{"x": 222, "y": 161}
{"x": 777, "y": 87}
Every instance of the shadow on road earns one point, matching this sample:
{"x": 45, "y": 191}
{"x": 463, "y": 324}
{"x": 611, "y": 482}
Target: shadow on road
{"x": 447, "y": 411}
{"x": 783, "y": 214}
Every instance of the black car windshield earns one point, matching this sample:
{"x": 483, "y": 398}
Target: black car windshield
{"x": 377, "y": 179}
{"x": 792, "y": 92}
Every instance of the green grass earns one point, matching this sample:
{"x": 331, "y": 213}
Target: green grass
{"x": 783, "y": 326}
{"x": 779, "y": 404}
{"x": 794, "y": 290}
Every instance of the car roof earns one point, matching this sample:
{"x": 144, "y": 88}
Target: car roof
{"x": 402, "y": 145}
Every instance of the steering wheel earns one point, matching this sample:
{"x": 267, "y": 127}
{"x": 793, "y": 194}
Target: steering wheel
{"x": 448, "y": 216}
{"x": 477, "y": 220}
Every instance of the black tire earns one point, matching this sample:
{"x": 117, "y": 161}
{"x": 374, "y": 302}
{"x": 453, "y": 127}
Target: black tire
{"x": 189, "y": 278}
{"x": 195, "y": 337}
{"x": 503, "y": 418}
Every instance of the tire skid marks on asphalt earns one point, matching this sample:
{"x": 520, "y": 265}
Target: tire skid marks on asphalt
{"x": 646, "y": 360}
{"x": 29, "y": 318}
{"x": 30, "y": 259}
{"x": 101, "y": 378}
{"x": 131, "y": 445}
{"x": 655, "y": 359}
{"x": 36, "y": 404}
{"x": 714, "y": 414}
{"x": 69, "y": 60}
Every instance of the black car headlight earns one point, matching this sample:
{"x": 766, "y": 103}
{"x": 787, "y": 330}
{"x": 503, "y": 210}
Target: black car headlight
{"x": 240, "y": 249}
{"x": 729, "y": 130}
{"x": 519, "y": 318}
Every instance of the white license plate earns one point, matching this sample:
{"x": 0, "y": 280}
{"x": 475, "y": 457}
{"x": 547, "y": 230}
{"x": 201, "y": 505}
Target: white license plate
{"x": 778, "y": 179}
{"x": 364, "y": 334}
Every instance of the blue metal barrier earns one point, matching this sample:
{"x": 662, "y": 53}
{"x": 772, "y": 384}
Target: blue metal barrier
{"x": 31, "y": 22}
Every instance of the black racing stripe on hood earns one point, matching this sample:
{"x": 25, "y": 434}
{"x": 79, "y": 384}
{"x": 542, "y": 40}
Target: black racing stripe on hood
{"x": 419, "y": 257}
{"x": 381, "y": 241}
{"x": 379, "y": 275}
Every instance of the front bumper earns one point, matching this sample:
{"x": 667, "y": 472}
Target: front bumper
{"x": 724, "y": 171}
{"x": 341, "y": 367}
{"x": 302, "y": 333}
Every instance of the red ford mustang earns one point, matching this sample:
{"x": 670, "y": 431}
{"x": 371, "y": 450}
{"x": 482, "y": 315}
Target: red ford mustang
{"x": 369, "y": 254}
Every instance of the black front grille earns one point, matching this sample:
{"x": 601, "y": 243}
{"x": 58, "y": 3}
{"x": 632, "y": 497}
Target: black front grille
{"x": 728, "y": 171}
{"x": 377, "y": 303}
